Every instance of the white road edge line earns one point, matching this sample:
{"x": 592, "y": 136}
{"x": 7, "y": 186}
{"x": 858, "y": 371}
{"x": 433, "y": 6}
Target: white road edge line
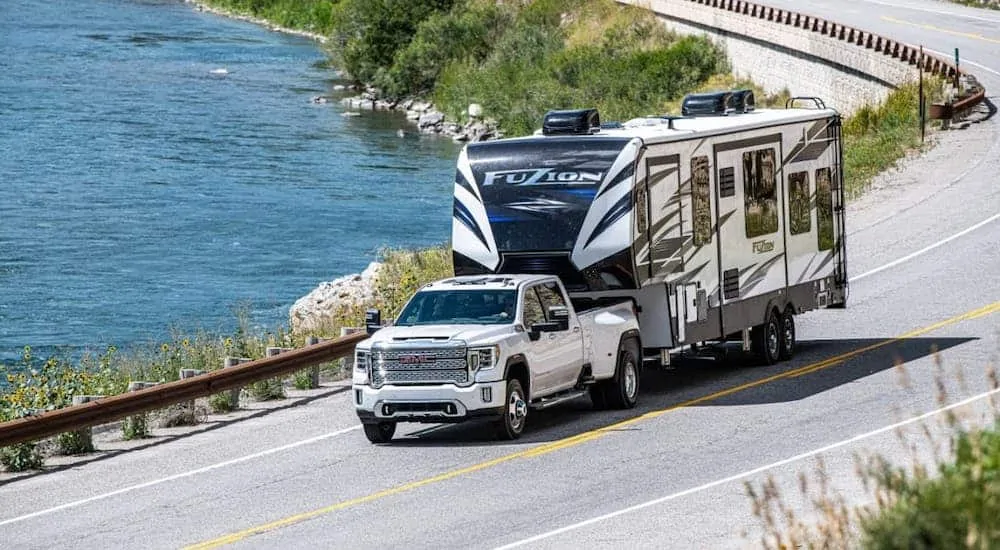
{"x": 190, "y": 473}
{"x": 747, "y": 473}
{"x": 934, "y": 11}
{"x": 963, "y": 61}
{"x": 924, "y": 250}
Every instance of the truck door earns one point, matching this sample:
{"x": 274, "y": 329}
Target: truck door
{"x": 751, "y": 228}
{"x": 555, "y": 358}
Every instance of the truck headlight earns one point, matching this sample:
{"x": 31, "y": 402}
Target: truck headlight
{"x": 362, "y": 363}
{"x": 483, "y": 358}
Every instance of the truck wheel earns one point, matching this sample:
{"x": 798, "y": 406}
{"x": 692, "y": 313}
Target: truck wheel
{"x": 622, "y": 391}
{"x": 787, "y": 334}
{"x": 380, "y": 432}
{"x": 767, "y": 340}
{"x": 511, "y": 426}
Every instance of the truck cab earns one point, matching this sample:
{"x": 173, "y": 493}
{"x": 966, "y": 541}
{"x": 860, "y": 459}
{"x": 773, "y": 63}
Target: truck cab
{"x": 493, "y": 347}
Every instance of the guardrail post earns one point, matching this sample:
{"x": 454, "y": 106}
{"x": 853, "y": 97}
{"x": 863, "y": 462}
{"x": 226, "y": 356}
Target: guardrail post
{"x": 135, "y": 427}
{"x": 313, "y": 371}
{"x": 85, "y": 436}
{"x": 347, "y": 363}
{"x": 234, "y": 394}
{"x": 189, "y": 405}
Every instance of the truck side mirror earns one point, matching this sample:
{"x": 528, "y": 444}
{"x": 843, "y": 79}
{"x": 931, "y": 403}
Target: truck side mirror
{"x": 373, "y": 321}
{"x": 559, "y": 315}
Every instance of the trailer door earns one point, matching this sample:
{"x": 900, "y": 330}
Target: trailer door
{"x": 750, "y": 227}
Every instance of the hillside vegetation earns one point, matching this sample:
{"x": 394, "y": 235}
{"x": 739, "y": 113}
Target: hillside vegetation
{"x": 518, "y": 59}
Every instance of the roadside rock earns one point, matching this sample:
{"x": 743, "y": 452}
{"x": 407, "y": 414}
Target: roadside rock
{"x": 330, "y": 299}
{"x": 430, "y": 119}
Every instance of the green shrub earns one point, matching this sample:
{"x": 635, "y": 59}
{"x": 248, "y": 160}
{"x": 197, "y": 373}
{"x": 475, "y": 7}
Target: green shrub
{"x": 960, "y": 508}
{"x": 303, "y": 380}
{"x": 221, "y": 402}
{"x": 443, "y": 37}
{"x": 135, "y": 427}
{"x": 370, "y": 32}
{"x": 309, "y": 15}
{"x": 267, "y": 390}
{"x": 21, "y": 457}
{"x": 74, "y": 443}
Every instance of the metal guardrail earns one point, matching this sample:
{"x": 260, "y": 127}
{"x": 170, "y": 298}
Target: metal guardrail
{"x": 116, "y": 407}
{"x": 905, "y": 53}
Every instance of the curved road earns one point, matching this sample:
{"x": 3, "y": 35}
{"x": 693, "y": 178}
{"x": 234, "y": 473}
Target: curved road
{"x": 669, "y": 475}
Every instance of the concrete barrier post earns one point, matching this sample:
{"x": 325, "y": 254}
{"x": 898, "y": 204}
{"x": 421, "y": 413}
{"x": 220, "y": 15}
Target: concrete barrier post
{"x": 234, "y": 394}
{"x": 85, "y": 436}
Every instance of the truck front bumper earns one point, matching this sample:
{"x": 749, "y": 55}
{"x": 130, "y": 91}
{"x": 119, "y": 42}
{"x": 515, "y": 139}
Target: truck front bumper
{"x": 438, "y": 403}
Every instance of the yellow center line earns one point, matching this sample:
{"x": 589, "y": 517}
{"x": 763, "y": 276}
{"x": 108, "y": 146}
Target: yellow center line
{"x": 971, "y": 35}
{"x": 585, "y": 436}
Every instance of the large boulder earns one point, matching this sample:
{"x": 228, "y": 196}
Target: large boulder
{"x": 330, "y": 299}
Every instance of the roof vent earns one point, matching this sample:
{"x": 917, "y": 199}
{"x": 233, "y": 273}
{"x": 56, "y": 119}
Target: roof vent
{"x": 577, "y": 121}
{"x": 718, "y": 103}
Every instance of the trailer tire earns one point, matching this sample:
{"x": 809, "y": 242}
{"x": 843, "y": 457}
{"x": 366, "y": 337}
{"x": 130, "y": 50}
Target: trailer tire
{"x": 622, "y": 391}
{"x": 787, "y": 334}
{"x": 380, "y": 432}
{"x": 515, "y": 414}
{"x": 766, "y": 339}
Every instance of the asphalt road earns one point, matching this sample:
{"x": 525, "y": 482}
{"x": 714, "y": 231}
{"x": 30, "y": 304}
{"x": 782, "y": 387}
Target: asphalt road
{"x": 668, "y": 475}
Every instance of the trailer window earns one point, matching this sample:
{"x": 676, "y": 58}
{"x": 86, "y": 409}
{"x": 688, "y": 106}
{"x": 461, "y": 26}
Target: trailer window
{"x": 701, "y": 205}
{"x": 824, "y": 209}
{"x": 799, "y": 220}
{"x": 760, "y": 196}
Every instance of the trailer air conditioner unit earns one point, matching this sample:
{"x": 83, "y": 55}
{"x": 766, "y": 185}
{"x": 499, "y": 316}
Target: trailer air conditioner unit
{"x": 571, "y": 122}
{"x": 742, "y": 101}
{"x": 718, "y": 103}
{"x": 712, "y": 103}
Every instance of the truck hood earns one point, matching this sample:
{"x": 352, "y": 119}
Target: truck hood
{"x": 473, "y": 334}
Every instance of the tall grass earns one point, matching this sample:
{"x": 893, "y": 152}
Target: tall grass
{"x": 877, "y": 136}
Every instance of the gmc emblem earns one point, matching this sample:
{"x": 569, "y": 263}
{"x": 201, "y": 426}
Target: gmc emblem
{"x": 416, "y": 359}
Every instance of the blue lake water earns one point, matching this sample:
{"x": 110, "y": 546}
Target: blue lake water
{"x": 160, "y": 166}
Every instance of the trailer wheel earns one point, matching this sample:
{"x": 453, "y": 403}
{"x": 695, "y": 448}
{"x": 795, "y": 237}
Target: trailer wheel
{"x": 511, "y": 426}
{"x": 787, "y": 334}
{"x": 767, "y": 340}
{"x": 380, "y": 432}
{"x": 622, "y": 391}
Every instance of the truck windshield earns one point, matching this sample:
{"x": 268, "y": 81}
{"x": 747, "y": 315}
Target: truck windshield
{"x": 459, "y": 307}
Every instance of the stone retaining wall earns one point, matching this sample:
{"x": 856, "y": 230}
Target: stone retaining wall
{"x": 779, "y": 49}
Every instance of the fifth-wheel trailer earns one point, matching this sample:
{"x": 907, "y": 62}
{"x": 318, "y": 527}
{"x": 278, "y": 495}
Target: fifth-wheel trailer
{"x": 719, "y": 224}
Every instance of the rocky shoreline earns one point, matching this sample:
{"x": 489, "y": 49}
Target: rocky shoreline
{"x": 330, "y": 300}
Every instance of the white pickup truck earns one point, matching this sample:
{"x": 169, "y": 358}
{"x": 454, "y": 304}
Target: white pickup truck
{"x": 494, "y": 347}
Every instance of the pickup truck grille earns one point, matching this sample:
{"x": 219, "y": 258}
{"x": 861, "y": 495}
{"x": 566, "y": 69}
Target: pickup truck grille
{"x": 419, "y": 366}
